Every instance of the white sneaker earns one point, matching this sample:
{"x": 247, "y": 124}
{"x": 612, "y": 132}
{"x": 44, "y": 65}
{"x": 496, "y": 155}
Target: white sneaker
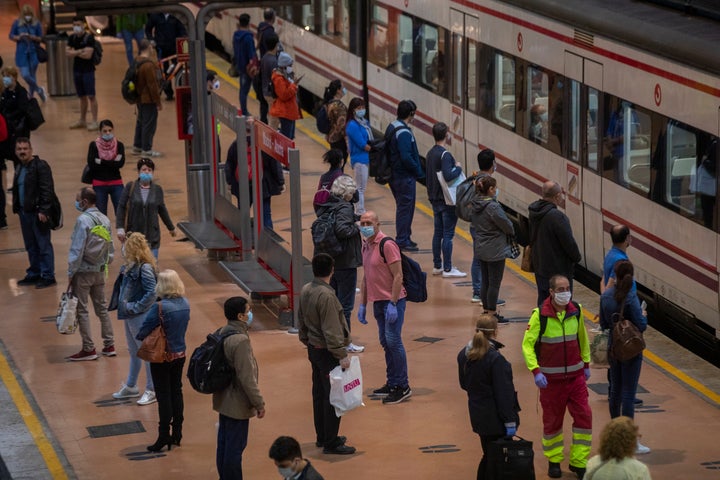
{"x": 454, "y": 273}
{"x": 147, "y": 398}
{"x": 352, "y": 348}
{"x": 150, "y": 153}
{"x": 641, "y": 449}
{"x": 126, "y": 392}
{"x": 437, "y": 271}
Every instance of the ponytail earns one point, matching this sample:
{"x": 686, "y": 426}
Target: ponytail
{"x": 624, "y": 272}
{"x": 485, "y": 328}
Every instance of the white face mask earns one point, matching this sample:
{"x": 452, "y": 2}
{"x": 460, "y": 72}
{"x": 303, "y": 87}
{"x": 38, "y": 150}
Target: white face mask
{"x": 563, "y": 298}
{"x": 216, "y": 85}
{"x": 289, "y": 70}
{"x": 77, "y": 29}
{"x": 28, "y": 18}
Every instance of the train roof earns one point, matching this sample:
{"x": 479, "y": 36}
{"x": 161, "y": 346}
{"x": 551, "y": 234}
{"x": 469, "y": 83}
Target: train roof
{"x": 666, "y": 32}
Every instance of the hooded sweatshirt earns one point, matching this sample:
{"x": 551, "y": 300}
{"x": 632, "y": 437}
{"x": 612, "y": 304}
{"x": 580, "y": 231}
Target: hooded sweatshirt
{"x": 554, "y": 250}
{"x": 491, "y": 228}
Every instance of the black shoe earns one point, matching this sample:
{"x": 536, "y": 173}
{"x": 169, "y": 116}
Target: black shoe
{"x": 412, "y": 244}
{"x": 579, "y": 471}
{"x": 409, "y": 248}
{"x": 341, "y": 439}
{"x": 340, "y": 450}
{"x": 500, "y": 302}
{"x": 160, "y": 443}
{"x": 45, "y": 282}
{"x": 554, "y": 470}
{"x": 637, "y": 401}
{"x": 383, "y": 391}
{"x": 501, "y": 320}
{"x": 397, "y": 395}
{"x": 28, "y": 280}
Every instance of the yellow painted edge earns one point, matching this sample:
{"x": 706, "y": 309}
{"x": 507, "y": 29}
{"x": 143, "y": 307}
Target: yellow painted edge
{"x": 33, "y": 423}
{"x": 465, "y": 235}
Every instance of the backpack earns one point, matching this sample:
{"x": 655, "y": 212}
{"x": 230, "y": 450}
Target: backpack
{"x": 324, "y": 237}
{"x": 97, "y": 52}
{"x": 128, "y": 86}
{"x": 208, "y": 369}
{"x": 414, "y": 279}
{"x": 381, "y": 157}
{"x": 97, "y": 244}
{"x": 322, "y": 122}
{"x": 55, "y": 214}
{"x": 323, "y": 193}
{"x": 33, "y": 115}
{"x": 627, "y": 339}
{"x": 253, "y": 67}
{"x": 464, "y": 194}
{"x": 543, "y": 326}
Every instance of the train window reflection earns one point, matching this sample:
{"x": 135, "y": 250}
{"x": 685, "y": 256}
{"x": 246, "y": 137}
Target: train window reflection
{"x": 472, "y": 92}
{"x": 458, "y": 44}
{"x": 545, "y": 114}
{"x": 574, "y": 121}
{"x": 681, "y": 159}
{"x": 592, "y": 138}
{"x": 432, "y": 55}
{"x": 628, "y": 162}
{"x": 381, "y": 38}
{"x": 335, "y": 26}
{"x": 405, "y": 46}
{"x": 505, "y": 89}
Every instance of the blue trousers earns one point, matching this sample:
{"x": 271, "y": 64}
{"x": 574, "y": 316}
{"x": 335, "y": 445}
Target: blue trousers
{"x": 102, "y": 192}
{"x": 403, "y": 189}
{"x": 29, "y": 74}
{"x": 287, "y": 128}
{"x": 231, "y": 443}
{"x": 624, "y": 378}
{"x": 245, "y": 84}
{"x": 38, "y": 246}
{"x": 445, "y": 220}
{"x": 475, "y": 270}
{"x": 128, "y": 37}
{"x": 344, "y": 281}
{"x": 391, "y": 341}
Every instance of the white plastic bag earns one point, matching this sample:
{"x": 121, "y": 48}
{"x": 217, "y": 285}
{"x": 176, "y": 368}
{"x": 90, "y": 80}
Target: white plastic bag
{"x": 66, "y": 319}
{"x": 346, "y": 387}
{"x": 450, "y": 190}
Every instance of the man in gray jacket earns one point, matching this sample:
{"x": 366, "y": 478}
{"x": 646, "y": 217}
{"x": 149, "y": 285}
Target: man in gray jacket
{"x": 91, "y": 250}
{"x": 322, "y": 329}
{"x": 241, "y": 400}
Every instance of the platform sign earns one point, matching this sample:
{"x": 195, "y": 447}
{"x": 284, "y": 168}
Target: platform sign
{"x": 273, "y": 143}
{"x": 182, "y": 47}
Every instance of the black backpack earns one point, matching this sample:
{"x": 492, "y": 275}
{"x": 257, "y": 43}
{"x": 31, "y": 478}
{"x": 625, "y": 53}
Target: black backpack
{"x": 324, "y": 237}
{"x": 322, "y": 122}
{"x": 208, "y": 369}
{"x": 381, "y": 157}
{"x": 414, "y": 279}
{"x": 128, "y": 87}
{"x": 97, "y": 51}
{"x": 464, "y": 195}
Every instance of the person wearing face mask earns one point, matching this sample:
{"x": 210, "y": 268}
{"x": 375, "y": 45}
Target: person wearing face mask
{"x": 173, "y": 310}
{"x": 336, "y": 112}
{"x": 557, "y": 353}
{"x": 26, "y": 31}
{"x": 285, "y": 107}
{"x": 87, "y": 268}
{"x": 241, "y": 400}
{"x": 80, "y": 48}
{"x": 359, "y": 136}
{"x": 322, "y": 329}
{"x": 141, "y": 203}
{"x": 106, "y": 156}
{"x": 286, "y": 453}
{"x": 13, "y": 106}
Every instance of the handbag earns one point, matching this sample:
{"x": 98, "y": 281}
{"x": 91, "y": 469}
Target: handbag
{"x": 510, "y": 458}
{"x": 449, "y": 190}
{"x": 599, "y": 349}
{"x": 514, "y": 247}
{"x": 346, "y": 387}
{"x": 86, "y": 176}
{"x": 66, "y": 319}
{"x": 33, "y": 115}
{"x": 41, "y": 53}
{"x": 526, "y": 261}
{"x": 115, "y": 296}
{"x": 154, "y": 346}
{"x": 627, "y": 339}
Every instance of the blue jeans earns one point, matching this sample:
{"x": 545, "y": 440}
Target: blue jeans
{"x": 445, "y": 221}
{"x": 102, "y": 192}
{"x": 492, "y": 273}
{"x": 287, "y": 128}
{"x": 128, "y": 37}
{"x": 344, "y": 281}
{"x": 231, "y": 443}
{"x": 475, "y": 270}
{"x": 28, "y": 74}
{"x": 132, "y": 327}
{"x": 391, "y": 341}
{"x": 403, "y": 189}
{"x": 38, "y": 246}
{"x": 245, "y": 84}
{"x": 624, "y": 377}
{"x": 267, "y": 213}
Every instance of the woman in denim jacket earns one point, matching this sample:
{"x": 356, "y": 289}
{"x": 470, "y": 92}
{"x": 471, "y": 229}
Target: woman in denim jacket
{"x": 137, "y": 295}
{"x": 173, "y": 310}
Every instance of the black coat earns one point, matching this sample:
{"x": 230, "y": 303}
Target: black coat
{"x": 39, "y": 188}
{"x": 164, "y": 31}
{"x": 492, "y": 399}
{"x": 143, "y": 216}
{"x": 14, "y": 107}
{"x": 346, "y": 231}
{"x": 273, "y": 180}
{"x": 554, "y": 250}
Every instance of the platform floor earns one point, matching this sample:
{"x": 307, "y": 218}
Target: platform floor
{"x": 49, "y": 406}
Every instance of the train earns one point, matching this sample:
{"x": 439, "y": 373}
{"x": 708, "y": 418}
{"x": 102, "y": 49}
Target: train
{"x": 617, "y": 101}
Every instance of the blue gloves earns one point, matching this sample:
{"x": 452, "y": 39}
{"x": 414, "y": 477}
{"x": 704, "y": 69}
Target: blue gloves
{"x": 361, "y": 315}
{"x": 587, "y": 374}
{"x": 391, "y": 314}
{"x": 510, "y": 431}
{"x": 540, "y": 380}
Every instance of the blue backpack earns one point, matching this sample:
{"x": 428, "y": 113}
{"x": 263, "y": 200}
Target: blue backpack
{"x": 322, "y": 122}
{"x": 414, "y": 279}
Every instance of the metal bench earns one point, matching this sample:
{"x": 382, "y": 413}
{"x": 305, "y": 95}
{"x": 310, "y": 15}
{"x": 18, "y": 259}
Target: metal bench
{"x": 221, "y": 234}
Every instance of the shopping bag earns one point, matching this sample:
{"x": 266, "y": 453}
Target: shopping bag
{"x": 449, "y": 189}
{"x": 510, "y": 458}
{"x": 599, "y": 349}
{"x": 66, "y": 319}
{"x": 346, "y": 387}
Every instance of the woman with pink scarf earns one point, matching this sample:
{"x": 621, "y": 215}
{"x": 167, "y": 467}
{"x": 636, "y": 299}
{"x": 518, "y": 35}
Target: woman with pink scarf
{"x": 106, "y": 156}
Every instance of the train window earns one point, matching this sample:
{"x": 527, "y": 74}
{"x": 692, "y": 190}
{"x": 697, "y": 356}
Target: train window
{"x": 627, "y": 162}
{"x": 431, "y": 46}
{"x": 592, "y": 119}
{"x": 335, "y": 26}
{"x": 472, "y": 76}
{"x": 458, "y": 44}
{"x": 504, "y": 89}
{"x": 404, "y": 63}
{"x": 575, "y": 123}
{"x": 381, "y": 40}
{"x": 545, "y": 98}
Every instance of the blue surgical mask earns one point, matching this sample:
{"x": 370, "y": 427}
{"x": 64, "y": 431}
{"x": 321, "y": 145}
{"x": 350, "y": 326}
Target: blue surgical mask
{"x": 249, "y": 318}
{"x": 344, "y": 90}
{"x": 7, "y": 81}
{"x": 289, "y": 70}
{"x": 78, "y": 207}
{"x": 360, "y": 113}
{"x": 367, "y": 231}
{"x": 107, "y": 136}
{"x": 286, "y": 472}
{"x": 146, "y": 177}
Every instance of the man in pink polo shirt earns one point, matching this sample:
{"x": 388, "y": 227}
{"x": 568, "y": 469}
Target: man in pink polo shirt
{"x": 382, "y": 284}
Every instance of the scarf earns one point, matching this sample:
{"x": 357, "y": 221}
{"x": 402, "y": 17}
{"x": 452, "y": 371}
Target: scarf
{"x": 106, "y": 150}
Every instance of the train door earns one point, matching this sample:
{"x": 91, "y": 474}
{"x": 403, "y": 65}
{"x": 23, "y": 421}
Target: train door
{"x": 463, "y": 92}
{"x": 581, "y": 180}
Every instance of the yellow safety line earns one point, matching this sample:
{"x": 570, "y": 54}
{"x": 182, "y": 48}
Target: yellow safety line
{"x": 33, "y": 423}
{"x": 464, "y": 234}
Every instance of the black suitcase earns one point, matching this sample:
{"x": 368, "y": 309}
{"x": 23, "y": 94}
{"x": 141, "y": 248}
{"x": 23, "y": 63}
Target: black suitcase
{"x": 510, "y": 458}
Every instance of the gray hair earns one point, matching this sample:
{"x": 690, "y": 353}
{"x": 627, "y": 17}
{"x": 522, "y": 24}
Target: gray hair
{"x": 343, "y": 186}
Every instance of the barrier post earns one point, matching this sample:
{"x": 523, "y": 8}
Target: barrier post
{"x": 295, "y": 234}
